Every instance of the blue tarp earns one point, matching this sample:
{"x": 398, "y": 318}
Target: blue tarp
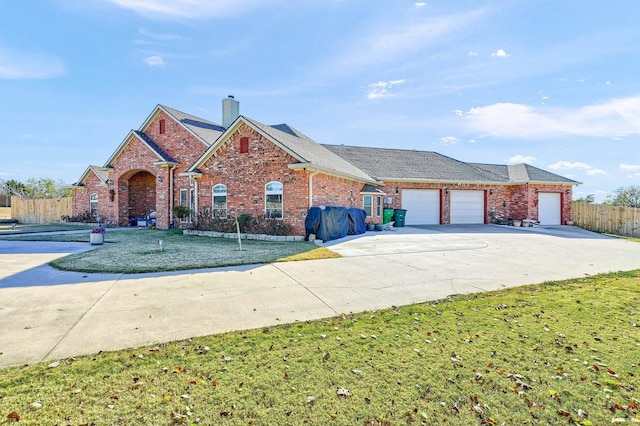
{"x": 332, "y": 223}
{"x": 357, "y": 221}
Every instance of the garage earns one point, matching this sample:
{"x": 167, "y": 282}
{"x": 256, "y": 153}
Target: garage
{"x": 422, "y": 205}
{"x": 549, "y": 208}
{"x": 467, "y": 206}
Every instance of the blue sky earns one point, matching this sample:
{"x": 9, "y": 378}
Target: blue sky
{"x": 555, "y": 84}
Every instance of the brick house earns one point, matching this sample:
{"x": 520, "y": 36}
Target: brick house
{"x": 245, "y": 167}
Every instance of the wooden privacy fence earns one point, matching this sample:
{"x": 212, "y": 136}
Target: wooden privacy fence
{"x": 623, "y": 221}
{"x": 41, "y": 210}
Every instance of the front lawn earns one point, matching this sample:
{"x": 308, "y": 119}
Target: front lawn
{"x": 138, "y": 250}
{"x": 558, "y": 353}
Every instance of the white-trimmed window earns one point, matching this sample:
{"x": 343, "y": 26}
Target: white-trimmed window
{"x": 372, "y": 204}
{"x": 193, "y": 205}
{"x": 93, "y": 205}
{"x": 219, "y": 200}
{"x": 367, "y": 204}
{"x": 273, "y": 200}
{"x": 184, "y": 201}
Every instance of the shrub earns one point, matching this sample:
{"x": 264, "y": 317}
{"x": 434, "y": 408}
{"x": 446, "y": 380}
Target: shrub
{"x": 248, "y": 224}
{"x": 85, "y": 217}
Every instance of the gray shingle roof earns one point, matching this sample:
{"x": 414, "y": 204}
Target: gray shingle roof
{"x": 390, "y": 164}
{"x": 400, "y": 164}
{"x": 161, "y": 152}
{"x": 101, "y": 172}
{"x": 523, "y": 173}
{"x": 206, "y": 130}
{"x": 307, "y": 150}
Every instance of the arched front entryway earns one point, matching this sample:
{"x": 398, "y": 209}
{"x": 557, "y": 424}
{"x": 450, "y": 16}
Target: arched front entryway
{"x": 137, "y": 195}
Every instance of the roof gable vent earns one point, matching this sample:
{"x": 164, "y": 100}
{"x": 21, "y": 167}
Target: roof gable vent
{"x": 230, "y": 111}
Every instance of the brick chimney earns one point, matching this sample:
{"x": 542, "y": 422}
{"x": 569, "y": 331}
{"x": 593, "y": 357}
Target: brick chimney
{"x": 230, "y": 111}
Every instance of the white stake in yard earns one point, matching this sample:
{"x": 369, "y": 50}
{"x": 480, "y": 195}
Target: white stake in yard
{"x": 238, "y": 230}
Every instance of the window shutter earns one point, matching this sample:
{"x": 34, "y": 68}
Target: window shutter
{"x": 244, "y": 145}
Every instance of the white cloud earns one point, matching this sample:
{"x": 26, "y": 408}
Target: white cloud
{"x": 155, "y": 61}
{"x": 188, "y": 9}
{"x": 472, "y": 141}
{"x": 596, "y": 172}
{"x": 18, "y": 65}
{"x": 500, "y": 53}
{"x": 473, "y": 53}
{"x": 565, "y": 165}
{"x": 420, "y": 4}
{"x": 458, "y": 112}
{"x": 517, "y": 159}
{"x": 617, "y": 117}
{"x": 385, "y": 42}
{"x": 381, "y": 88}
{"x": 630, "y": 167}
{"x": 448, "y": 140}
{"x": 160, "y": 36}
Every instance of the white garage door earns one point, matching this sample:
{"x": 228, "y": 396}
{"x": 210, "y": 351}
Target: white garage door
{"x": 422, "y": 205}
{"x": 467, "y": 206}
{"x": 549, "y": 208}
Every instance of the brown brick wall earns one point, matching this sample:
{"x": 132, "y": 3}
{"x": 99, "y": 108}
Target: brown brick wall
{"x": 246, "y": 175}
{"x": 508, "y": 202}
{"x": 80, "y": 201}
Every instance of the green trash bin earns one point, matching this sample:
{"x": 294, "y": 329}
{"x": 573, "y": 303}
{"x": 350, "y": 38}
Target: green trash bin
{"x": 399, "y": 215}
{"x": 387, "y": 215}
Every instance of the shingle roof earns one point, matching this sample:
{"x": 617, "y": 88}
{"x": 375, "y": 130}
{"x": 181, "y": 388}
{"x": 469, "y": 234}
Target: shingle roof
{"x": 307, "y": 150}
{"x": 523, "y": 173}
{"x": 206, "y": 130}
{"x": 161, "y": 152}
{"x": 370, "y": 189}
{"x": 101, "y": 172}
{"x": 392, "y": 164}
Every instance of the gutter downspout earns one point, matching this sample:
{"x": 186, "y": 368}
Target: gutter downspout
{"x": 311, "y": 187}
{"x": 171, "y": 195}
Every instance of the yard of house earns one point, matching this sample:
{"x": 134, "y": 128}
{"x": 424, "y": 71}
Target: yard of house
{"x": 555, "y": 353}
{"x": 138, "y": 251}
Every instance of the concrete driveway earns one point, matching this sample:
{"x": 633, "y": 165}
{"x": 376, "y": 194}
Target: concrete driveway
{"x": 48, "y": 314}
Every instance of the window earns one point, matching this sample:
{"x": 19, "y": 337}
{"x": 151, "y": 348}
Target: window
{"x": 193, "y": 206}
{"x": 368, "y": 204}
{"x": 219, "y": 194}
{"x": 162, "y": 127}
{"x": 183, "y": 202}
{"x": 244, "y": 145}
{"x": 371, "y": 208}
{"x": 93, "y": 205}
{"x": 273, "y": 200}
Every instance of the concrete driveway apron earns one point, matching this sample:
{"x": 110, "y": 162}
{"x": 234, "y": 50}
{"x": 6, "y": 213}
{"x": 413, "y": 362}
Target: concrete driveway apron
{"x": 48, "y": 314}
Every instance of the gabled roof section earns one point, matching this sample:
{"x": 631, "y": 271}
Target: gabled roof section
{"x": 102, "y": 173}
{"x": 305, "y": 150}
{"x": 370, "y": 189}
{"x": 162, "y": 155}
{"x": 517, "y": 173}
{"x": 399, "y": 164}
{"x": 206, "y": 131}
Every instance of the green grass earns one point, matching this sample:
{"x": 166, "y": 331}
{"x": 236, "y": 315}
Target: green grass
{"x": 557, "y": 353}
{"x": 6, "y": 228}
{"x": 137, "y": 251}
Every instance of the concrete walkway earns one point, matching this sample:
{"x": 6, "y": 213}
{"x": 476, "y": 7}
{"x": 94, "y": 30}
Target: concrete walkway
{"x": 48, "y": 314}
